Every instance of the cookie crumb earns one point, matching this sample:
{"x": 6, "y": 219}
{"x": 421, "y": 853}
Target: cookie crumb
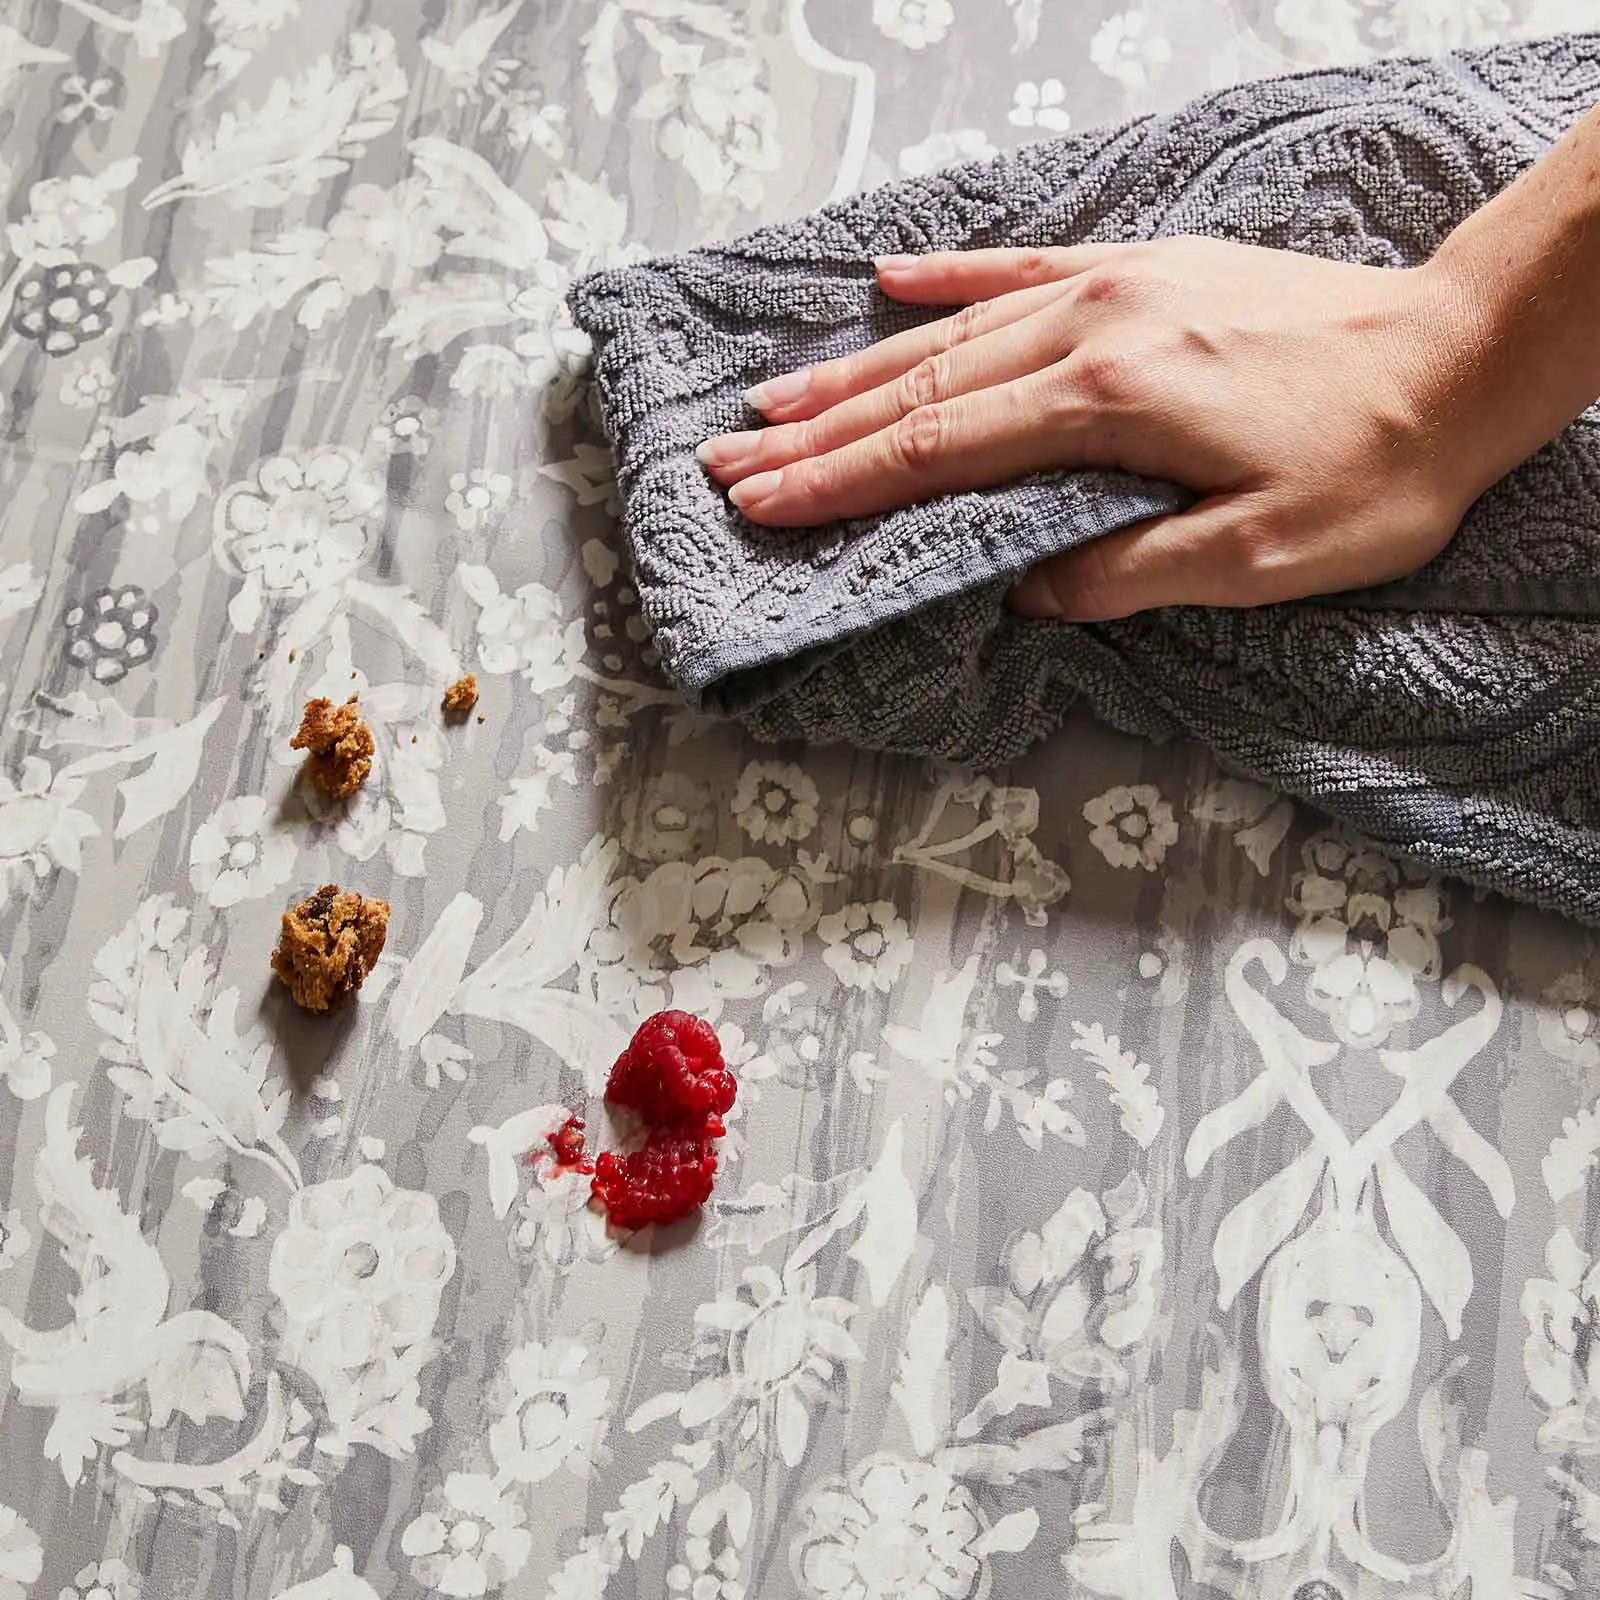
{"x": 291, "y": 655}
{"x": 480, "y": 716}
{"x": 460, "y": 698}
{"x": 328, "y": 945}
{"x": 340, "y": 746}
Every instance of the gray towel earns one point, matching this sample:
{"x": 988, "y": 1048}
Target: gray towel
{"x": 1453, "y": 716}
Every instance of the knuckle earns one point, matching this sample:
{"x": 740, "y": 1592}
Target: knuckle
{"x": 916, "y": 437}
{"x": 1104, "y": 376}
{"x": 965, "y": 324}
{"x": 1038, "y": 266}
{"x": 1092, "y": 592}
{"x": 922, "y": 385}
{"x": 1103, "y": 286}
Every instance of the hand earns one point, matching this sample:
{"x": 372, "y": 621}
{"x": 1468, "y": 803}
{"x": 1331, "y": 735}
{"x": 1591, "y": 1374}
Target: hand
{"x": 1329, "y": 417}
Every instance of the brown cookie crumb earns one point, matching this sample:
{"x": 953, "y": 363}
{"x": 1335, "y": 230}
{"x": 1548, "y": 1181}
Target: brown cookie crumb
{"x": 328, "y": 945}
{"x": 340, "y": 744}
{"x": 460, "y": 697}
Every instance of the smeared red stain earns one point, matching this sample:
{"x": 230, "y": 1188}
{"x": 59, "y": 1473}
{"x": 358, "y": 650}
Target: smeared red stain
{"x": 567, "y": 1143}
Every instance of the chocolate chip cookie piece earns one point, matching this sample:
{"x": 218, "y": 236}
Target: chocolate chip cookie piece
{"x": 328, "y": 944}
{"x": 340, "y": 746}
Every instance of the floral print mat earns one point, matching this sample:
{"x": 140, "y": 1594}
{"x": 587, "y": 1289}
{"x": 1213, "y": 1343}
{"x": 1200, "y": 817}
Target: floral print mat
{"x": 1135, "y": 1189}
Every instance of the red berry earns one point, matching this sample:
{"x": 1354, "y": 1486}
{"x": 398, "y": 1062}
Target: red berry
{"x": 567, "y": 1142}
{"x": 672, "y": 1072}
{"x": 664, "y": 1181}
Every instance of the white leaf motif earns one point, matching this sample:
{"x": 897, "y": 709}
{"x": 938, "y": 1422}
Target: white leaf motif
{"x": 307, "y": 130}
{"x": 1261, "y": 1222}
{"x": 922, "y": 1387}
{"x": 889, "y": 1234}
{"x": 420, "y": 997}
{"x": 1429, "y": 1244}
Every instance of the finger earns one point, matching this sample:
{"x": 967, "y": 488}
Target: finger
{"x": 796, "y": 396}
{"x": 954, "y": 277}
{"x": 1010, "y": 352}
{"x": 1209, "y": 555}
{"x": 969, "y": 442}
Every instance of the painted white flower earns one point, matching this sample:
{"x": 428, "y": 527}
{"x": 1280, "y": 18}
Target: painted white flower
{"x": 40, "y": 830}
{"x": 157, "y": 23}
{"x": 723, "y": 127}
{"x": 490, "y": 371}
{"x": 25, "y": 1061}
{"x": 240, "y": 852}
{"x": 14, "y": 1239}
{"x": 477, "y": 497}
{"x": 299, "y": 524}
{"x": 1079, "y": 1293}
{"x": 1131, "y": 825}
{"x": 104, "y": 1580}
{"x": 65, "y": 214}
{"x": 405, "y": 427}
{"x": 171, "y": 469}
{"x": 1126, "y": 47}
{"x": 88, "y": 384}
{"x": 775, "y": 802}
{"x": 776, "y": 1346}
{"x": 1040, "y": 105}
{"x": 359, "y": 1270}
{"x": 470, "y": 1537}
{"x": 556, "y": 1415}
{"x": 672, "y": 820}
{"x": 382, "y": 238}
{"x": 913, "y": 23}
{"x": 21, "y": 1555}
{"x": 168, "y": 311}
{"x": 1369, "y": 934}
{"x": 1561, "y": 1354}
{"x": 524, "y": 631}
{"x": 942, "y": 150}
{"x": 697, "y": 934}
{"x": 868, "y": 945}
{"x": 893, "y": 1529}
{"x": 556, "y": 1221}
{"x": 1569, "y": 1020}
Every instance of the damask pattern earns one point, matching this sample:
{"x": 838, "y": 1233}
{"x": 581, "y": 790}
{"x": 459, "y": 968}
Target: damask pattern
{"x": 1137, "y": 1187}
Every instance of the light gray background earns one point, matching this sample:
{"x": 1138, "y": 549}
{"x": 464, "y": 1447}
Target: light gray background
{"x": 1135, "y": 1189}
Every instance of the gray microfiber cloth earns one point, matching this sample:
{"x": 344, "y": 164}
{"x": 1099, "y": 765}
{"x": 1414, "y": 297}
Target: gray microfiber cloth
{"x": 1453, "y": 716}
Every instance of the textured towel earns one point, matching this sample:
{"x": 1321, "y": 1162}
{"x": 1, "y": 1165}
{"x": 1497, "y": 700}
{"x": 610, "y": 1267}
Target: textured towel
{"x": 1453, "y": 716}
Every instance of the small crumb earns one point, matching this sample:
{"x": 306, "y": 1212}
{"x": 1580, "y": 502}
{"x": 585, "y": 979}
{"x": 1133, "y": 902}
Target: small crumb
{"x": 340, "y": 746}
{"x": 327, "y": 946}
{"x": 353, "y": 677}
{"x": 413, "y": 738}
{"x": 460, "y": 698}
{"x": 480, "y": 716}
{"x": 261, "y": 655}
{"x": 291, "y": 655}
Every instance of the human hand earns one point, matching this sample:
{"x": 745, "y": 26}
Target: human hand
{"x": 1330, "y": 417}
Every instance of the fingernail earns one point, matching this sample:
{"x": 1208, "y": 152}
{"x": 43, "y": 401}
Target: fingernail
{"x": 892, "y": 263}
{"x": 781, "y": 391}
{"x": 754, "y": 490}
{"x": 1034, "y": 596}
{"x": 726, "y": 448}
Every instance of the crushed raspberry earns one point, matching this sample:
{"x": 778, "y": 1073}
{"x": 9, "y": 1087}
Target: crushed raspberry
{"x": 673, "y": 1075}
{"x": 672, "y": 1072}
{"x": 664, "y": 1181}
{"x": 567, "y": 1143}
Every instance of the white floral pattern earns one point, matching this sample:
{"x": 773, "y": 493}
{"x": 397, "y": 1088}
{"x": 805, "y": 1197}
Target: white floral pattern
{"x": 1072, "y": 1233}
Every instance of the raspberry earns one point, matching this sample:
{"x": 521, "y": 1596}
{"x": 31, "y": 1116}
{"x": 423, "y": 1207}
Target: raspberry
{"x": 664, "y": 1181}
{"x": 672, "y": 1072}
{"x": 567, "y": 1143}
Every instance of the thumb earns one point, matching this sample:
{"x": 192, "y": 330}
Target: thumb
{"x": 1199, "y": 557}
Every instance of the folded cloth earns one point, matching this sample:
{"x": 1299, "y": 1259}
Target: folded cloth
{"x": 1453, "y": 716}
